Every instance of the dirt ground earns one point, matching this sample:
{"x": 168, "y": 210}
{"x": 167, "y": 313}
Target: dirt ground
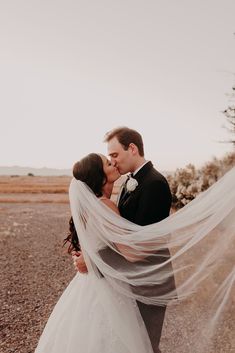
{"x": 35, "y": 269}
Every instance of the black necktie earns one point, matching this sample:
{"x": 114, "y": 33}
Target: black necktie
{"x": 130, "y": 175}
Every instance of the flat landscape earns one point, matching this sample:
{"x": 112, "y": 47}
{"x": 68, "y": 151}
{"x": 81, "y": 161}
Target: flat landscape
{"x": 35, "y": 268}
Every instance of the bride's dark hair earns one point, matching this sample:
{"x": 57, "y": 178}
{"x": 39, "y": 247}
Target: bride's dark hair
{"x": 72, "y": 238}
{"x": 89, "y": 170}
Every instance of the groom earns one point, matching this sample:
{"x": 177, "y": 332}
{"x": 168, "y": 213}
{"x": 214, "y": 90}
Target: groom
{"x": 151, "y": 201}
{"x": 148, "y": 203}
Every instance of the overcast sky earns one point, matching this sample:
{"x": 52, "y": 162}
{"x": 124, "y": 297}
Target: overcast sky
{"x": 70, "y": 70}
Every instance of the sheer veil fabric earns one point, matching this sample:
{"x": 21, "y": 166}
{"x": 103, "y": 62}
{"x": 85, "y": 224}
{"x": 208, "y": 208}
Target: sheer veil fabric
{"x": 201, "y": 239}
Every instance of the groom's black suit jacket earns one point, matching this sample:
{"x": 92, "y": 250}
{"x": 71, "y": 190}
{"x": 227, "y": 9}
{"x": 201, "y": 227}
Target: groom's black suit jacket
{"x": 150, "y": 202}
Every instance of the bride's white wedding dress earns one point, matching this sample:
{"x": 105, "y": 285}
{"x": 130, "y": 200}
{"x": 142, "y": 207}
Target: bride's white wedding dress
{"x": 90, "y": 317}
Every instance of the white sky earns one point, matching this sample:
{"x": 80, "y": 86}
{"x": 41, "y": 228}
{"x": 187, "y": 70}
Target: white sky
{"x": 70, "y": 70}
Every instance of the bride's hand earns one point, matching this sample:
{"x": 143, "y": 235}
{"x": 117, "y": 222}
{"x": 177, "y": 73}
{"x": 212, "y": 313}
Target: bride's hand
{"x": 78, "y": 262}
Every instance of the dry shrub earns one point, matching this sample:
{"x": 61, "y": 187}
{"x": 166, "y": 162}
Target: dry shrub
{"x": 186, "y": 183}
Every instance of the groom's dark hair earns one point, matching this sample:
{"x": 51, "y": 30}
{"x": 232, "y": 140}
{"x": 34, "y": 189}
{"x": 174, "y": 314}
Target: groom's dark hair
{"x": 125, "y": 136}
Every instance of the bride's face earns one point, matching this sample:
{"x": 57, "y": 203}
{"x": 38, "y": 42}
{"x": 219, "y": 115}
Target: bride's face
{"x": 110, "y": 171}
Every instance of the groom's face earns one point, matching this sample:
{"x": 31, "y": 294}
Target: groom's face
{"x": 120, "y": 157}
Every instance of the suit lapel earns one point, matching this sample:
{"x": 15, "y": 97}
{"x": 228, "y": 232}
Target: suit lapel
{"x": 139, "y": 176}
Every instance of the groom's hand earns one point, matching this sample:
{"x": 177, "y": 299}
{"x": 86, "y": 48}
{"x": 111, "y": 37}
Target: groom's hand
{"x": 78, "y": 262}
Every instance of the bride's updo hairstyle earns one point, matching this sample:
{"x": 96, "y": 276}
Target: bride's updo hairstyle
{"x": 89, "y": 170}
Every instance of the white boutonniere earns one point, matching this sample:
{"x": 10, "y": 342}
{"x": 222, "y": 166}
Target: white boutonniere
{"x": 131, "y": 184}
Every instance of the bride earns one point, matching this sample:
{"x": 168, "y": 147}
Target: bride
{"x": 97, "y": 313}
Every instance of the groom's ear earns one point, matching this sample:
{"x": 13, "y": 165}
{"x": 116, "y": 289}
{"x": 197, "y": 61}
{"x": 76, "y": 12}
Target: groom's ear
{"x": 134, "y": 149}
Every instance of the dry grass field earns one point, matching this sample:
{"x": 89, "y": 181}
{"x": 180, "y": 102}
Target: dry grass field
{"x": 34, "y": 189}
{"x": 27, "y": 189}
{"x": 34, "y": 185}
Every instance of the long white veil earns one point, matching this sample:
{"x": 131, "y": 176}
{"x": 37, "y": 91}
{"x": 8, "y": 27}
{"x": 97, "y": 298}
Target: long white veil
{"x": 196, "y": 282}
